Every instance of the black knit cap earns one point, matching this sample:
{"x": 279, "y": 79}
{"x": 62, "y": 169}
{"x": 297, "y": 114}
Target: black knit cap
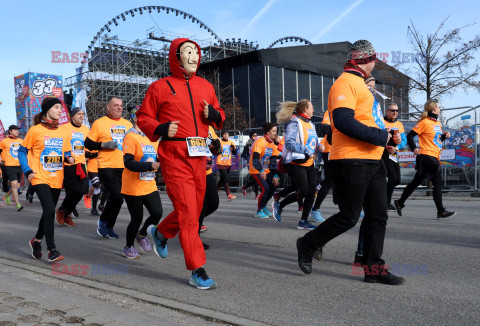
{"x": 74, "y": 111}
{"x": 48, "y": 103}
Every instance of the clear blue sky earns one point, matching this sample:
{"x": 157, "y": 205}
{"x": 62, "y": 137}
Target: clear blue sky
{"x": 30, "y": 30}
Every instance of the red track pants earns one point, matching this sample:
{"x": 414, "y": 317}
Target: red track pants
{"x": 185, "y": 180}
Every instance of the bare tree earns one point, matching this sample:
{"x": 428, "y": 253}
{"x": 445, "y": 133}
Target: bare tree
{"x": 444, "y": 62}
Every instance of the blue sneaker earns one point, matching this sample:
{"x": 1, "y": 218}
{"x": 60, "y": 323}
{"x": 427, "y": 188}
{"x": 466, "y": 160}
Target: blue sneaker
{"x": 111, "y": 234}
{"x": 277, "y": 210}
{"x": 304, "y": 225}
{"x": 317, "y": 217}
{"x": 200, "y": 280}
{"x": 261, "y": 214}
{"x": 362, "y": 215}
{"x": 160, "y": 247}
{"x": 102, "y": 229}
{"x": 266, "y": 211}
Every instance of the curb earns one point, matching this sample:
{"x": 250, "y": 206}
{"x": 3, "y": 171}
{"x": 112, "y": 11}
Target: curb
{"x": 205, "y": 313}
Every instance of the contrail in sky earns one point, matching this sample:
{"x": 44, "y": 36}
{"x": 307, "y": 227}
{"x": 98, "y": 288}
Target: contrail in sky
{"x": 257, "y": 17}
{"x": 336, "y": 20}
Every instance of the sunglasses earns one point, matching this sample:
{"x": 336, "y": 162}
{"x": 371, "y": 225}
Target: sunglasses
{"x": 394, "y": 111}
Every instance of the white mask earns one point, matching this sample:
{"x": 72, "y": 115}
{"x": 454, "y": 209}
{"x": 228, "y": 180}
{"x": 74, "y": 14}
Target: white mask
{"x": 189, "y": 57}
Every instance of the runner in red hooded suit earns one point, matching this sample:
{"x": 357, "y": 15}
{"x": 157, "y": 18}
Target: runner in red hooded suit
{"x": 175, "y": 107}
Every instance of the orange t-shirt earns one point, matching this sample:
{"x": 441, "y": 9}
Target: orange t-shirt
{"x": 9, "y": 149}
{"x": 46, "y": 154}
{"x": 104, "y": 130}
{"x": 76, "y": 137}
{"x": 226, "y": 157}
{"x": 350, "y": 91}
{"x": 429, "y": 133}
{"x": 324, "y": 142}
{"x": 265, "y": 149}
{"x": 143, "y": 150}
{"x": 211, "y": 135}
{"x": 92, "y": 164}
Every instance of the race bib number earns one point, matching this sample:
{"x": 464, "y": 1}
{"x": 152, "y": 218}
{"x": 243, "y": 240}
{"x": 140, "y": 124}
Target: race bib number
{"x": 393, "y": 158}
{"x": 118, "y": 133}
{"x": 266, "y": 158}
{"x": 312, "y": 139}
{"x": 226, "y": 152}
{"x": 377, "y": 114}
{"x": 197, "y": 146}
{"x": 149, "y": 155}
{"x": 438, "y": 135}
{"x": 77, "y": 144}
{"x": 52, "y": 156}
{"x": 14, "y": 150}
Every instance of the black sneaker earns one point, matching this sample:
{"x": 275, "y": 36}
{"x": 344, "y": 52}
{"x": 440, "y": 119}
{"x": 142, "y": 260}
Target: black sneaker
{"x": 388, "y": 279}
{"x": 205, "y": 246}
{"x": 445, "y": 214}
{"x": 358, "y": 259}
{"x": 318, "y": 254}
{"x": 75, "y": 213}
{"x": 54, "y": 256}
{"x": 398, "y": 207}
{"x": 391, "y": 208}
{"x": 36, "y": 248}
{"x": 304, "y": 258}
{"x": 101, "y": 208}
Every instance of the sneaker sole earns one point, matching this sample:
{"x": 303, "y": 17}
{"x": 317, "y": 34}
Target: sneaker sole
{"x": 98, "y": 232}
{"x": 202, "y": 287}
{"x": 150, "y": 235}
{"x": 19, "y": 209}
{"x": 441, "y": 218}
{"x": 279, "y": 219}
{"x": 31, "y": 247}
{"x": 56, "y": 259}
{"x": 128, "y": 257}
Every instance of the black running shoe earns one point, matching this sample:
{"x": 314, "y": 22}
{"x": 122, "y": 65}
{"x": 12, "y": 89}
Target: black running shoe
{"x": 445, "y": 214}
{"x": 54, "y": 256}
{"x": 398, "y": 207}
{"x": 318, "y": 254}
{"x": 391, "y": 208}
{"x": 388, "y": 279}
{"x": 304, "y": 257}
{"x": 358, "y": 259}
{"x": 36, "y": 248}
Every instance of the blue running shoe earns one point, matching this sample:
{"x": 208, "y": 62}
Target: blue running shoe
{"x": 317, "y": 217}
{"x": 362, "y": 215}
{"x": 102, "y": 231}
{"x": 261, "y": 214}
{"x": 277, "y": 211}
{"x": 160, "y": 247}
{"x": 111, "y": 234}
{"x": 266, "y": 211}
{"x": 200, "y": 280}
{"x": 304, "y": 225}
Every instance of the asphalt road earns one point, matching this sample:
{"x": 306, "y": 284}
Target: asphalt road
{"x": 255, "y": 264}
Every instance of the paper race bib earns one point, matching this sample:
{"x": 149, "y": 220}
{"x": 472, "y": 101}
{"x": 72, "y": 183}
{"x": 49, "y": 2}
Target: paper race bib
{"x": 266, "y": 158}
{"x": 393, "y": 158}
{"x": 312, "y": 140}
{"x": 118, "y": 133}
{"x": 149, "y": 155}
{"x": 77, "y": 143}
{"x": 226, "y": 152}
{"x": 197, "y": 146}
{"x": 377, "y": 114}
{"x": 14, "y": 150}
{"x": 52, "y": 155}
{"x": 437, "y": 138}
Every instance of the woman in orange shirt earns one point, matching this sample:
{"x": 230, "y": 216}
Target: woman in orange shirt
{"x": 44, "y": 143}
{"x": 139, "y": 187}
{"x": 430, "y": 136}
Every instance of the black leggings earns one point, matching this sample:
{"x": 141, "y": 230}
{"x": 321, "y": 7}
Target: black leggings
{"x": 251, "y": 182}
{"x": 428, "y": 167}
{"x": 112, "y": 181}
{"x": 135, "y": 205}
{"x": 48, "y": 199}
{"x": 210, "y": 203}
{"x": 327, "y": 182}
{"x": 75, "y": 188}
{"x": 306, "y": 183}
{"x": 224, "y": 179}
{"x": 267, "y": 189}
{"x": 393, "y": 175}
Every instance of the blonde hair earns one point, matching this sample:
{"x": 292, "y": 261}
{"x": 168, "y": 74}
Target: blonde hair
{"x": 285, "y": 110}
{"x": 428, "y": 107}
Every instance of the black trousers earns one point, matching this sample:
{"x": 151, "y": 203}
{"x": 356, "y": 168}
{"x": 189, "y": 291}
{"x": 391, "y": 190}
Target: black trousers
{"x": 267, "y": 189}
{"x": 224, "y": 179}
{"x": 327, "y": 182}
{"x": 357, "y": 185}
{"x": 305, "y": 183}
{"x": 111, "y": 179}
{"x": 211, "y": 201}
{"x": 251, "y": 182}
{"x": 75, "y": 188}
{"x": 48, "y": 199}
{"x": 428, "y": 167}
{"x": 135, "y": 205}
{"x": 393, "y": 176}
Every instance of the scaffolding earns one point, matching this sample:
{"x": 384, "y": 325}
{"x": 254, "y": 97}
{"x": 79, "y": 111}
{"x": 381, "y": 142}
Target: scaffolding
{"x": 126, "y": 69}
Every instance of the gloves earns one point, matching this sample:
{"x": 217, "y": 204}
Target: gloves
{"x": 109, "y": 145}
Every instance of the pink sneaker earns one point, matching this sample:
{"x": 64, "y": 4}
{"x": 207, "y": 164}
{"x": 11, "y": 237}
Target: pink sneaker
{"x": 231, "y": 197}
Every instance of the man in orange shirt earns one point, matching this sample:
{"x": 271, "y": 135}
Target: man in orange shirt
{"x": 224, "y": 163}
{"x": 75, "y": 178}
{"x": 359, "y": 138}
{"x": 9, "y": 151}
{"x": 106, "y": 136}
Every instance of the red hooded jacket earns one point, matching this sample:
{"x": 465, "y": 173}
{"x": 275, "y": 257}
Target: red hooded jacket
{"x": 182, "y": 101}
